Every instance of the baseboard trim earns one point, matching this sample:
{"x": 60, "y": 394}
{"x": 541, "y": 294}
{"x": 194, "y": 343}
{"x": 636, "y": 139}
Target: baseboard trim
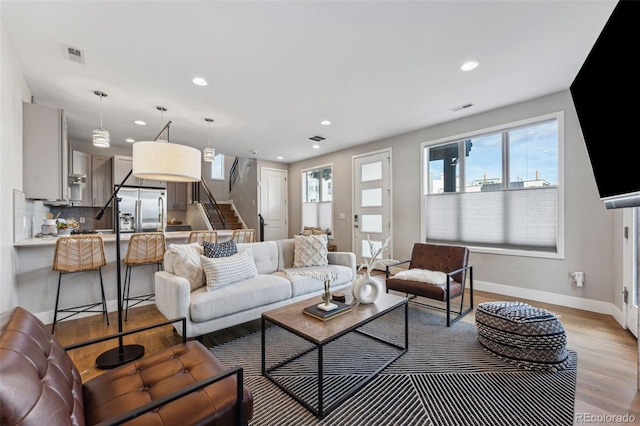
{"x": 590, "y": 305}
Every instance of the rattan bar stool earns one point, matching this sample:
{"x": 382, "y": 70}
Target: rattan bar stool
{"x": 145, "y": 248}
{"x": 79, "y": 253}
{"x": 202, "y": 236}
{"x": 244, "y": 235}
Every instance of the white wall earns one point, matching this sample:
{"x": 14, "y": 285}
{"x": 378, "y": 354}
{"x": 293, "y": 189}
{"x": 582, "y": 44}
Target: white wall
{"x": 13, "y": 91}
{"x": 592, "y": 233}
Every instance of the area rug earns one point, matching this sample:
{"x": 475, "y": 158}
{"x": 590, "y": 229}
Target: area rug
{"x": 446, "y": 378}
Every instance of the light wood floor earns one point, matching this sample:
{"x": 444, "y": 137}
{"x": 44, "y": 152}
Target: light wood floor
{"x": 607, "y": 354}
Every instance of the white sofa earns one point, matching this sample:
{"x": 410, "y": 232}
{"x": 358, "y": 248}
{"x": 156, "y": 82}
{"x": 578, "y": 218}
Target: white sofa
{"x": 208, "y": 311}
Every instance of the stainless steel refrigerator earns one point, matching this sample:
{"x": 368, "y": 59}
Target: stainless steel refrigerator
{"x": 142, "y": 209}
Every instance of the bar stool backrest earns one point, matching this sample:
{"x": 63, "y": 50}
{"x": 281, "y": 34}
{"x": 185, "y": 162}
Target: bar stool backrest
{"x": 244, "y": 235}
{"x": 146, "y": 247}
{"x": 201, "y": 236}
{"x": 79, "y": 253}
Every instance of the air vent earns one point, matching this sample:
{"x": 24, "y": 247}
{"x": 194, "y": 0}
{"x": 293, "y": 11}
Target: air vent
{"x": 76, "y": 55}
{"x": 461, "y": 107}
{"x": 317, "y": 138}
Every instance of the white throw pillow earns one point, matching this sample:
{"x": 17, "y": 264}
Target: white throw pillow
{"x": 187, "y": 263}
{"x": 422, "y": 275}
{"x": 223, "y": 271}
{"x": 310, "y": 250}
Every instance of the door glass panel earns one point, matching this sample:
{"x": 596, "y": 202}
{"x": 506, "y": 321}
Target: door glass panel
{"x": 371, "y": 223}
{"x": 371, "y": 171}
{"x": 365, "y": 249}
{"x": 371, "y": 197}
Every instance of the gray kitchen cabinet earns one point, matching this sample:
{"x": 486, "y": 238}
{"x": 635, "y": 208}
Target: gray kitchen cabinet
{"x": 80, "y": 194}
{"x": 176, "y": 195}
{"x": 122, "y": 165}
{"x": 101, "y": 180}
{"x": 45, "y": 154}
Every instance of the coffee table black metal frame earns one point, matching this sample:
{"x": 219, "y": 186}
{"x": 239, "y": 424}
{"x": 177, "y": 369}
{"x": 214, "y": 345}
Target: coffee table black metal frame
{"x": 322, "y": 411}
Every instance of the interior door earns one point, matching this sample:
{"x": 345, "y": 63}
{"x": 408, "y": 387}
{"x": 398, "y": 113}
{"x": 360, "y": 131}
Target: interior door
{"x": 630, "y": 263}
{"x": 273, "y": 203}
{"x": 372, "y": 201}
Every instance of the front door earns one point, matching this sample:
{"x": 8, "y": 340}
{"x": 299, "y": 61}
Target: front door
{"x": 273, "y": 203}
{"x": 372, "y": 202}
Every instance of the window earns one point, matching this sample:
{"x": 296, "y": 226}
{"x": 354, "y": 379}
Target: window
{"x": 497, "y": 188}
{"x": 217, "y": 167}
{"x": 317, "y": 193}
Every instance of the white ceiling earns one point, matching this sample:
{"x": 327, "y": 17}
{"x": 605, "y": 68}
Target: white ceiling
{"x": 276, "y": 69}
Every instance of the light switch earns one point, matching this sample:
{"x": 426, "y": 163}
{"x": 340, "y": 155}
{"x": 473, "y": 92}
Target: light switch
{"x": 342, "y": 216}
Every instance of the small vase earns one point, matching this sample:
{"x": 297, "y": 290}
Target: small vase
{"x": 365, "y": 289}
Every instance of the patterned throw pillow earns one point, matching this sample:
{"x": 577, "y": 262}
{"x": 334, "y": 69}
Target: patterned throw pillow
{"x": 310, "y": 250}
{"x": 187, "y": 263}
{"x": 223, "y": 249}
{"x": 223, "y": 271}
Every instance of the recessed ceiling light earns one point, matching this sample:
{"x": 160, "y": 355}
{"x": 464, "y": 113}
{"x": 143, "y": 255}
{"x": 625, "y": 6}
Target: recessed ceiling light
{"x": 199, "y": 81}
{"x": 129, "y": 140}
{"x": 140, "y": 123}
{"x": 315, "y": 146}
{"x": 468, "y": 66}
{"x": 325, "y": 122}
{"x": 279, "y": 157}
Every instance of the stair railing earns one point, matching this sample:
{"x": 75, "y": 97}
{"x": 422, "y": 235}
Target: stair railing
{"x": 195, "y": 189}
{"x": 233, "y": 174}
{"x": 261, "y": 219}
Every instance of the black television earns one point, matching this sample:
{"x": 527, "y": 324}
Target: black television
{"x": 606, "y": 94}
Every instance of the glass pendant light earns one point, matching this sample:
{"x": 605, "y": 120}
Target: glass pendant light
{"x": 100, "y": 136}
{"x": 209, "y": 153}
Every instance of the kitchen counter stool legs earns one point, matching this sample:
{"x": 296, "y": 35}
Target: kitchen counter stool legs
{"x": 145, "y": 248}
{"x": 79, "y": 254}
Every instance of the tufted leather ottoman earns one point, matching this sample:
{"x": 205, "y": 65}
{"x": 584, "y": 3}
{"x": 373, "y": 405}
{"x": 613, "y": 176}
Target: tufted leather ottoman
{"x": 530, "y": 337}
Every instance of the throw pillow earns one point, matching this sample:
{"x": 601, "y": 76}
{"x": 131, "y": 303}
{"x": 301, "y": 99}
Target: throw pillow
{"x": 187, "y": 263}
{"x": 223, "y": 271}
{"x": 310, "y": 250}
{"x": 422, "y": 275}
{"x": 223, "y": 249}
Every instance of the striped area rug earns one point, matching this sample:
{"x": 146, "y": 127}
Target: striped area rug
{"x": 446, "y": 378}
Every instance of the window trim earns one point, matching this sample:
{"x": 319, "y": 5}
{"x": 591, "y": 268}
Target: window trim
{"x": 560, "y": 232}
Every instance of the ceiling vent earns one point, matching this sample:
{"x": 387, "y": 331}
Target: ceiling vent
{"x": 461, "y": 107}
{"x": 317, "y": 138}
{"x": 75, "y": 54}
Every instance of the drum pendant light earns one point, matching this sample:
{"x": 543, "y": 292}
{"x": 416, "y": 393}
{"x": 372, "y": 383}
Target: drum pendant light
{"x": 100, "y": 136}
{"x": 164, "y": 161}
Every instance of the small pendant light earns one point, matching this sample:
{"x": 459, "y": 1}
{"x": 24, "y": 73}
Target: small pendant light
{"x": 209, "y": 153}
{"x": 100, "y": 136}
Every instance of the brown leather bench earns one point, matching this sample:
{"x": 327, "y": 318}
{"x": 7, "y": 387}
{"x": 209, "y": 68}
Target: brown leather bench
{"x": 182, "y": 385}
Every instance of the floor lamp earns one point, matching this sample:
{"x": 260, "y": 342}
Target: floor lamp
{"x": 156, "y": 160}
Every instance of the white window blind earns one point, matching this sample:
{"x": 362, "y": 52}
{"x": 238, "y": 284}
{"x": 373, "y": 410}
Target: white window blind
{"x": 522, "y": 219}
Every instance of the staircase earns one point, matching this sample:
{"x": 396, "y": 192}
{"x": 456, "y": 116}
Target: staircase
{"x": 232, "y": 221}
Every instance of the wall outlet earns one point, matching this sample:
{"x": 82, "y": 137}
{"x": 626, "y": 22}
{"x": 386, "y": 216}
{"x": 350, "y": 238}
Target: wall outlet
{"x": 578, "y": 278}
{"x": 81, "y": 219}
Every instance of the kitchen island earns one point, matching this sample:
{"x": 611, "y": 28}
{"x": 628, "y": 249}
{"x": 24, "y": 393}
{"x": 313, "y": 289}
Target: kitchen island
{"x": 38, "y": 283}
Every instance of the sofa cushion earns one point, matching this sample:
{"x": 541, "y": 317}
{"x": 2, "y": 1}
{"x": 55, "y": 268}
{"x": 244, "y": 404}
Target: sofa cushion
{"x": 223, "y": 249}
{"x": 265, "y": 255}
{"x": 222, "y": 271}
{"x": 247, "y": 294}
{"x": 186, "y": 263}
{"x": 310, "y": 250}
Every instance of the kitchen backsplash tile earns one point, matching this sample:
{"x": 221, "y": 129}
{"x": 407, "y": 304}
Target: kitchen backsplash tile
{"x": 89, "y": 214}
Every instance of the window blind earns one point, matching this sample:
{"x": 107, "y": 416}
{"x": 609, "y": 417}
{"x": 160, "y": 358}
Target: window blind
{"x": 523, "y": 219}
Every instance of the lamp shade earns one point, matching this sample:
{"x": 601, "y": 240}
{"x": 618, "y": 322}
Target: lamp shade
{"x": 166, "y": 161}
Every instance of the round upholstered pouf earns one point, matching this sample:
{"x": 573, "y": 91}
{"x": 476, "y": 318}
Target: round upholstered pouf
{"x": 524, "y": 335}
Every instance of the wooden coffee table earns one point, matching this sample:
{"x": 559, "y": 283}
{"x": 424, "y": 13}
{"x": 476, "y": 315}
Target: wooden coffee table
{"x": 320, "y": 333}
